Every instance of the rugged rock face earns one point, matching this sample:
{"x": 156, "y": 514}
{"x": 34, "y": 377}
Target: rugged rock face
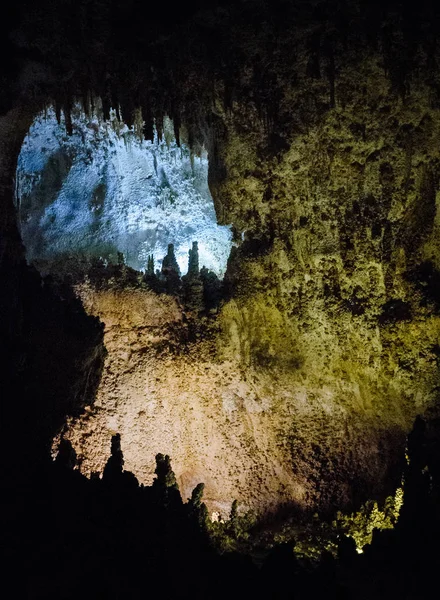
{"x": 105, "y": 190}
{"x": 259, "y": 433}
{"x": 322, "y": 131}
{"x": 165, "y": 390}
{"x": 336, "y": 285}
{"x": 329, "y": 341}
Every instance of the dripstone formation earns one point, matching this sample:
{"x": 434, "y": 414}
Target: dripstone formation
{"x": 292, "y": 386}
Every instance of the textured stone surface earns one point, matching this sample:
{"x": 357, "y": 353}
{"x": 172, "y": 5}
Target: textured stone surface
{"x": 105, "y": 190}
{"x": 266, "y": 435}
{"x": 327, "y": 347}
{"x": 335, "y": 281}
{"x": 165, "y": 395}
{"x": 322, "y": 129}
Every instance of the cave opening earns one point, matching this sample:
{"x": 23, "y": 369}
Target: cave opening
{"x": 100, "y": 206}
{"x": 105, "y": 194}
{"x": 295, "y": 396}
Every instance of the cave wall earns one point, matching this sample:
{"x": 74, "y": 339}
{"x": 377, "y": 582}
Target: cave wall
{"x": 341, "y": 234}
{"x": 321, "y": 123}
{"x": 335, "y": 284}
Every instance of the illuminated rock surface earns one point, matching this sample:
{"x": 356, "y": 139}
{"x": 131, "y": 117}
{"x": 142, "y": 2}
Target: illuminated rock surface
{"x": 165, "y": 394}
{"x": 321, "y": 120}
{"x": 324, "y": 159}
{"x": 247, "y": 433}
{"x": 102, "y": 191}
{"x": 328, "y": 349}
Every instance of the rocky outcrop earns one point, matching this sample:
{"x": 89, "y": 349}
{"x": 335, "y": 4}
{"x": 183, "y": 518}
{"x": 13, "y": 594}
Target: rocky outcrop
{"x": 266, "y": 433}
{"x": 321, "y": 128}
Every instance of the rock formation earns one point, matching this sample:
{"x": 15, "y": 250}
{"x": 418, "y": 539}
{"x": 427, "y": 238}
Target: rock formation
{"x": 321, "y": 123}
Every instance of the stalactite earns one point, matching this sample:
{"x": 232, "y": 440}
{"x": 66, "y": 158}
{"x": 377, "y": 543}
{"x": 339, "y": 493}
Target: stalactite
{"x": 191, "y": 138}
{"x": 68, "y": 118}
{"x": 58, "y": 110}
{"x": 68, "y": 114}
{"x": 115, "y": 103}
{"x": 106, "y": 108}
{"x": 159, "y": 125}
{"x": 85, "y": 103}
{"x": 127, "y": 109}
{"x": 147, "y": 116}
{"x": 92, "y": 102}
{"x": 176, "y": 124}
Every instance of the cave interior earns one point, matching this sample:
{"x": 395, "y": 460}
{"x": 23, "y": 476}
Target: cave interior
{"x": 220, "y": 299}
